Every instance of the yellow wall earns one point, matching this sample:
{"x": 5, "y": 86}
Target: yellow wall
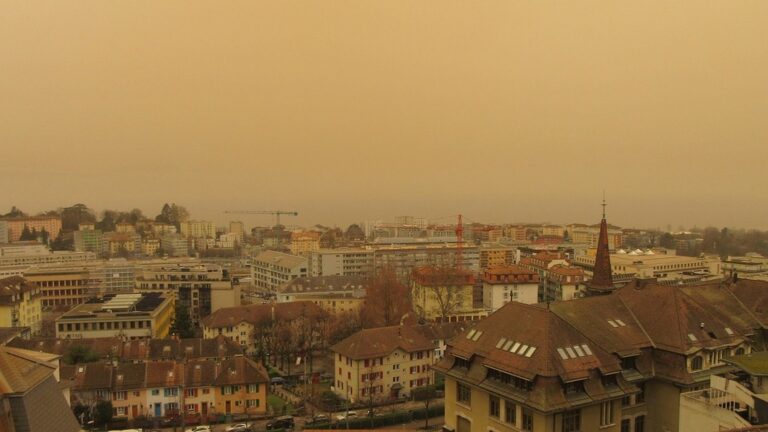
{"x": 242, "y": 396}
{"x": 426, "y": 299}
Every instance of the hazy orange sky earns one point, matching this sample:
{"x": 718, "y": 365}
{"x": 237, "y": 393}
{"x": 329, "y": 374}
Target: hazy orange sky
{"x": 353, "y": 110}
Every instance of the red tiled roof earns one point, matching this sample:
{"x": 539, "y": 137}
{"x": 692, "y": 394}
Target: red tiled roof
{"x": 262, "y": 314}
{"x": 378, "y": 342}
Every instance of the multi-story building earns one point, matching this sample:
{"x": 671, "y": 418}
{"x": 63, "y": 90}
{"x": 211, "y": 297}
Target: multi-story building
{"x": 238, "y": 229}
{"x": 63, "y": 285}
{"x": 541, "y": 263}
{"x": 88, "y": 240}
{"x": 244, "y": 324}
{"x": 51, "y": 224}
{"x": 382, "y": 363}
{"x": 748, "y": 266}
{"x": 444, "y": 294}
{"x": 125, "y": 227}
{"x": 404, "y": 258}
{"x": 198, "y": 229}
{"x": 121, "y": 243}
{"x": 589, "y": 234}
{"x": 145, "y": 315}
{"x": 623, "y": 361}
{"x": 304, "y": 242}
{"x": 20, "y": 304}
{"x": 201, "y": 288}
{"x": 565, "y": 283}
{"x": 57, "y": 257}
{"x": 342, "y": 262}
{"x": 150, "y": 246}
{"x": 236, "y": 385}
{"x": 271, "y": 269}
{"x": 3, "y": 232}
{"x": 23, "y": 248}
{"x": 672, "y": 269}
{"x": 174, "y": 245}
{"x": 502, "y": 285}
{"x": 496, "y": 255}
{"x": 335, "y": 294}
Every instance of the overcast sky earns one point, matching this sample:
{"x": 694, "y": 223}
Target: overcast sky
{"x": 353, "y": 110}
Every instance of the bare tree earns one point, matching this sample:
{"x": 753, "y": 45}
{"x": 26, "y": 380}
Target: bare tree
{"x": 386, "y": 302}
{"x": 441, "y": 288}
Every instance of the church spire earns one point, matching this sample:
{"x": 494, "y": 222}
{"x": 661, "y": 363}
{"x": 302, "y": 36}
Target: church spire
{"x": 602, "y": 277}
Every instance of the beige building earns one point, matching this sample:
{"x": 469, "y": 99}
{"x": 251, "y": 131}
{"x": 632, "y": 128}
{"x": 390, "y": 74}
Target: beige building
{"x": 272, "y": 269}
{"x": 63, "y": 285}
{"x": 589, "y": 234}
{"x": 673, "y": 269}
{"x": 199, "y": 288}
{"x": 150, "y": 246}
{"x": 20, "y": 304}
{"x": 129, "y": 316}
{"x": 382, "y": 363}
{"x": 496, "y": 255}
{"x": 342, "y": 262}
{"x": 565, "y": 283}
{"x": 444, "y": 295}
{"x": 15, "y": 226}
{"x": 198, "y": 229}
{"x": 335, "y": 294}
{"x": 504, "y": 284}
{"x": 304, "y": 242}
{"x": 619, "y": 362}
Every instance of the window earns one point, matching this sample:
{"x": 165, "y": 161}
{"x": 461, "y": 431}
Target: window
{"x": 121, "y": 411}
{"x": 494, "y": 407}
{"x": 640, "y": 423}
{"x": 253, "y": 388}
{"x": 606, "y": 413}
{"x": 572, "y": 421}
{"x": 252, "y": 403}
{"x": 170, "y": 391}
{"x": 527, "y": 420}
{"x": 625, "y": 425}
{"x": 190, "y": 392}
{"x": 463, "y": 394}
{"x": 510, "y": 412}
{"x": 227, "y": 390}
{"x": 574, "y": 387}
{"x": 696, "y": 363}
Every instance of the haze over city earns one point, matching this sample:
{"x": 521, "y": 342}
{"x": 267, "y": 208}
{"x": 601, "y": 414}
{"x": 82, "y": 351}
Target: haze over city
{"x": 347, "y": 111}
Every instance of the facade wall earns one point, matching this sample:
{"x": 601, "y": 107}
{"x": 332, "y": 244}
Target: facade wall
{"x": 497, "y": 295}
{"x": 233, "y": 399}
{"x": 50, "y": 224}
{"x": 409, "y": 370}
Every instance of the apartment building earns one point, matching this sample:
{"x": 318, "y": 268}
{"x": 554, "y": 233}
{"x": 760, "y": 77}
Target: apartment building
{"x": 565, "y": 283}
{"x": 57, "y": 257}
{"x": 198, "y": 229}
{"x": 243, "y": 324}
{"x": 20, "y": 304}
{"x": 496, "y": 255}
{"x": 541, "y": 262}
{"x": 200, "y": 288}
{"x": 444, "y": 294}
{"x": 174, "y": 245}
{"x": 3, "y": 232}
{"x": 617, "y": 362}
{"x": 236, "y": 385}
{"x": 304, "y": 242}
{"x": 150, "y": 246}
{"x": 504, "y": 284}
{"x": 89, "y": 240}
{"x": 51, "y": 224}
{"x": 63, "y": 285}
{"x": 335, "y": 294}
{"x": 589, "y": 234}
{"x": 342, "y": 262}
{"x": 121, "y": 243}
{"x": 271, "y": 269}
{"x": 404, "y": 258}
{"x": 382, "y": 363}
{"x": 131, "y": 316}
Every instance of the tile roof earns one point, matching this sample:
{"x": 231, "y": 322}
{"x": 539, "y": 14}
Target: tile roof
{"x": 21, "y": 370}
{"x": 381, "y": 341}
{"x": 320, "y": 284}
{"x": 262, "y": 314}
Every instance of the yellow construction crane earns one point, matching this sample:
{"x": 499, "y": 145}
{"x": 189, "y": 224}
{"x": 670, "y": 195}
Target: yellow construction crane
{"x": 277, "y": 213}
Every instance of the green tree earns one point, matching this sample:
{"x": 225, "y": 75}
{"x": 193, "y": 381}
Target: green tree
{"x": 15, "y": 213}
{"x": 182, "y": 324}
{"x": 80, "y": 354}
{"x": 667, "y": 241}
{"x": 108, "y": 221}
{"x": 103, "y": 413}
{"x": 44, "y": 236}
{"x": 27, "y": 234}
{"x": 72, "y": 217}
{"x": 63, "y": 242}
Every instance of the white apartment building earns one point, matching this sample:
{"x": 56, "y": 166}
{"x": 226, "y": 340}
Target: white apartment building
{"x": 502, "y": 285}
{"x": 198, "y": 229}
{"x": 271, "y": 269}
{"x": 341, "y": 262}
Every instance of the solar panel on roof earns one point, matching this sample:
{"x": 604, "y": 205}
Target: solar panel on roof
{"x": 586, "y": 349}
{"x": 578, "y": 350}
{"x": 530, "y": 351}
{"x": 570, "y": 352}
{"x": 501, "y": 342}
{"x": 562, "y": 353}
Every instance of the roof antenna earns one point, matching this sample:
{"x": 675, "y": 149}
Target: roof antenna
{"x": 604, "y": 204}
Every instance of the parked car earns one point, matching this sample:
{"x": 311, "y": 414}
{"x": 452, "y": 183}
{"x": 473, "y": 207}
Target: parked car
{"x": 284, "y": 422}
{"x": 319, "y": 418}
{"x": 277, "y": 380}
{"x": 200, "y": 429}
{"x": 240, "y": 427}
{"x": 344, "y": 415}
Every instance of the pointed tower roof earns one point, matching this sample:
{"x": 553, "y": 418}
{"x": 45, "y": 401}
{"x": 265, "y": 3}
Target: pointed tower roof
{"x": 602, "y": 277}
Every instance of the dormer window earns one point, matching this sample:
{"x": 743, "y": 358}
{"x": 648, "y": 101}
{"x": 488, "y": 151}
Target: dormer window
{"x": 610, "y": 380}
{"x": 574, "y": 387}
{"x": 628, "y": 363}
{"x": 697, "y": 363}
{"x": 462, "y": 363}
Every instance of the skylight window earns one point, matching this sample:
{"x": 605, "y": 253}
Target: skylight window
{"x": 471, "y": 333}
{"x": 570, "y": 352}
{"x": 507, "y": 345}
{"x": 522, "y": 349}
{"x": 620, "y": 322}
{"x": 501, "y": 342}
{"x": 729, "y": 331}
{"x": 477, "y": 336}
{"x": 586, "y": 349}
{"x": 578, "y": 350}
{"x": 514, "y": 348}
{"x": 612, "y": 323}
{"x": 692, "y": 337}
{"x": 562, "y": 353}
{"x": 530, "y": 352}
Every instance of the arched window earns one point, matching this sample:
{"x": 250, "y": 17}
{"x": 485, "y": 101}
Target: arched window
{"x": 696, "y": 363}
{"x": 739, "y": 351}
